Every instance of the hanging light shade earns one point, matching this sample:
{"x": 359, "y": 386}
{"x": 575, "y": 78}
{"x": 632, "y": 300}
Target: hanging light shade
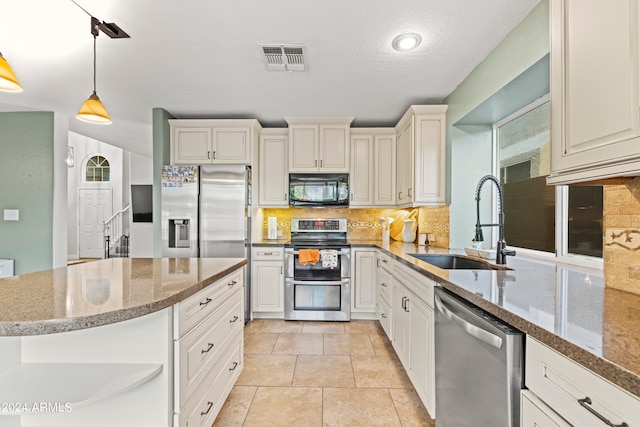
{"x": 8, "y": 80}
{"x": 92, "y": 110}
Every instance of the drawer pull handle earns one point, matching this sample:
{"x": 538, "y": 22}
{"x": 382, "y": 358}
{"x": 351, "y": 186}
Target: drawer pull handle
{"x": 585, "y": 404}
{"x": 205, "y": 302}
{"x": 233, "y": 368}
{"x": 209, "y": 406}
{"x": 235, "y": 318}
{"x": 231, "y": 283}
{"x": 209, "y": 347}
{"x": 267, "y": 253}
{"x": 384, "y": 285}
{"x": 384, "y": 316}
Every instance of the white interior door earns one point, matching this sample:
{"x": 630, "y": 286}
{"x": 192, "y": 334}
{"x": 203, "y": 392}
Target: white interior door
{"x": 95, "y": 207}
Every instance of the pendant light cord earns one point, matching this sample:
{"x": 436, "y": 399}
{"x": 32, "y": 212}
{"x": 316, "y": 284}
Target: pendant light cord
{"x": 94, "y": 63}
{"x": 83, "y": 9}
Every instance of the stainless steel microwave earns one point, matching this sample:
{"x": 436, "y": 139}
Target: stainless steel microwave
{"x": 319, "y": 190}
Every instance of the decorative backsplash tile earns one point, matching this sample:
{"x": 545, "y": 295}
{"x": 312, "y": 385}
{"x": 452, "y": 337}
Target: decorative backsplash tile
{"x": 364, "y": 224}
{"x": 622, "y": 236}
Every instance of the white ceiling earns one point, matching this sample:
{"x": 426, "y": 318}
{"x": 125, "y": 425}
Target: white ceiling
{"x": 201, "y": 58}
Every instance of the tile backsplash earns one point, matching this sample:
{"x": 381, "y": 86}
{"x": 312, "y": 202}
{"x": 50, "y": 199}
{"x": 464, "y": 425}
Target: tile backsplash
{"x": 622, "y": 236}
{"x": 364, "y": 224}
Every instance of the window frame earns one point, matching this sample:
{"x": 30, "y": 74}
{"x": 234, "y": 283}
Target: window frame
{"x": 561, "y": 208}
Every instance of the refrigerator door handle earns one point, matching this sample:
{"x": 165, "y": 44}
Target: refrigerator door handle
{"x": 469, "y": 328}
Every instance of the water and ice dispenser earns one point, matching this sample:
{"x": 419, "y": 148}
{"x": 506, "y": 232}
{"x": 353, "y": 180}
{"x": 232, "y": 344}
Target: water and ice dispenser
{"x": 179, "y": 233}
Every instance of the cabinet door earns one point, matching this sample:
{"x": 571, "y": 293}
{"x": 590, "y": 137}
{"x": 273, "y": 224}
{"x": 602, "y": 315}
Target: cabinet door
{"x": 384, "y": 170}
{"x": 303, "y": 148}
{"x": 594, "y": 81}
{"x": 429, "y": 160}
{"x": 273, "y": 183}
{"x": 267, "y": 286}
{"x": 361, "y": 177}
{"x": 232, "y": 145}
{"x": 365, "y": 281}
{"x": 400, "y": 321}
{"x": 421, "y": 351}
{"x": 191, "y": 145}
{"x": 334, "y": 148}
{"x": 404, "y": 165}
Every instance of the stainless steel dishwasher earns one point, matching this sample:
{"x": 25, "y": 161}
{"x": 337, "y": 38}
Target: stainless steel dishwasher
{"x": 479, "y": 362}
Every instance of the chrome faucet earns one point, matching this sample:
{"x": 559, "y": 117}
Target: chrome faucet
{"x": 501, "y": 246}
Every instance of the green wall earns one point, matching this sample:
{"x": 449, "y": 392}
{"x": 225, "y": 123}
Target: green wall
{"x": 161, "y": 156}
{"x": 470, "y": 153}
{"x": 26, "y": 173}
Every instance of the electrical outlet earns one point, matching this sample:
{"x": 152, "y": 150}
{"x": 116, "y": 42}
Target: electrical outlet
{"x": 432, "y": 237}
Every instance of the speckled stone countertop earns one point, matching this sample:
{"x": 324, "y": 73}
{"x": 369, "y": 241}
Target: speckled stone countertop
{"x": 102, "y": 292}
{"x": 566, "y": 307}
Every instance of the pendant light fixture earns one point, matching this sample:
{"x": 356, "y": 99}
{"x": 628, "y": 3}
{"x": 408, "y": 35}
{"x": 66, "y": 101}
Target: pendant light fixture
{"x": 8, "y": 80}
{"x": 92, "y": 110}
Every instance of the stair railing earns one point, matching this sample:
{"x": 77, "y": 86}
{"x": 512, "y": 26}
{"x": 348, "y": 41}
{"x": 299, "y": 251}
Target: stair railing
{"x": 112, "y": 231}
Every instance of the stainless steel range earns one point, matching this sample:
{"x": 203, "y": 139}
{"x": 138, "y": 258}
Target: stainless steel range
{"x": 317, "y": 279}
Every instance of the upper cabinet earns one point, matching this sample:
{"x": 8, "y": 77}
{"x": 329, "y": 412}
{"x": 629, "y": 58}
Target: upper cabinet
{"x": 373, "y": 167}
{"x": 319, "y": 144}
{"x": 274, "y": 178}
{"x": 595, "y": 124}
{"x": 213, "y": 141}
{"x": 421, "y": 156}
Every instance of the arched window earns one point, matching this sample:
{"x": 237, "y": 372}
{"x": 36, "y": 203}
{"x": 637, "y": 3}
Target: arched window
{"x": 97, "y": 169}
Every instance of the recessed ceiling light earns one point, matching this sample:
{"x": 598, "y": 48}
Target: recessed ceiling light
{"x": 406, "y": 41}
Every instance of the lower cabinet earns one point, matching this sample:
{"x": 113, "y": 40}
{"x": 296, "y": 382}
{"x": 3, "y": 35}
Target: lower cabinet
{"x": 267, "y": 281}
{"x": 383, "y": 292}
{"x": 413, "y": 333}
{"x": 576, "y": 394}
{"x": 534, "y": 412}
{"x": 208, "y": 350}
{"x": 363, "y": 272}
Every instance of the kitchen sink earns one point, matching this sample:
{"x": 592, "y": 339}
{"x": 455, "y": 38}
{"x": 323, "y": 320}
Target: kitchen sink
{"x": 456, "y": 262}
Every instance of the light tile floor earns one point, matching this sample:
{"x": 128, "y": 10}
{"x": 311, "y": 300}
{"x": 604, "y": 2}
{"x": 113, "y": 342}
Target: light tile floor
{"x": 327, "y": 374}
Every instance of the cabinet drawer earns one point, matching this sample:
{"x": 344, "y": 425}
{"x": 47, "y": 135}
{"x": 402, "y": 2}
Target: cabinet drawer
{"x": 418, "y": 284}
{"x": 214, "y": 390}
{"x": 384, "y": 284}
{"x": 199, "y": 348}
{"x": 383, "y": 310}
{"x": 535, "y": 413}
{"x": 268, "y": 253}
{"x": 568, "y": 388}
{"x": 385, "y": 262}
{"x": 200, "y": 305}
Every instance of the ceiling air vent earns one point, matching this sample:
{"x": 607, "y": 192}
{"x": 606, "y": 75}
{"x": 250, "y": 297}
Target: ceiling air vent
{"x": 284, "y": 57}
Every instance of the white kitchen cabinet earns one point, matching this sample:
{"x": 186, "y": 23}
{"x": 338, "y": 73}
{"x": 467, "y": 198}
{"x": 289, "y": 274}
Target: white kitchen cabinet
{"x": 372, "y": 175}
{"x": 267, "y": 281}
{"x": 273, "y": 175}
{"x": 208, "y": 349}
{"x": 319, "y": 144}
{"x": 577, "y": 394}
{"x": 384, "y": 284}
{"x": 361, "y": 177}
{"x": 384, "y": 190}
{"x": 213, "y": 141}
{"x": 595, "y": 76}
{"x": 421, "y": 156}
{"x": 534, "y": 412}
{"x": 363, "y": 291}
{"x": 413, "y": 331}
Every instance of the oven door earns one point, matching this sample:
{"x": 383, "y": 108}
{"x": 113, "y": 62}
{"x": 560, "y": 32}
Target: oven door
{"x": 317, "y": 300}
{"x": 327, "y": 269}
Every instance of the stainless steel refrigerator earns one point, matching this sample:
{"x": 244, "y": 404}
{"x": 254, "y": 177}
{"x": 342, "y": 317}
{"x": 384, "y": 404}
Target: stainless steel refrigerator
{"x": 206, "y": 213}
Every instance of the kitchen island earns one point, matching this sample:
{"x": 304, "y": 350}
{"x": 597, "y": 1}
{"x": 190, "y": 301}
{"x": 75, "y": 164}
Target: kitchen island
{"x": 118, "y": 342}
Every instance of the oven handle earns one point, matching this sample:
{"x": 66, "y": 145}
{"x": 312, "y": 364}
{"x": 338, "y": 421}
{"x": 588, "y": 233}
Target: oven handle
{"x": 321, "y": 282}
{"x": 294, "y": 252}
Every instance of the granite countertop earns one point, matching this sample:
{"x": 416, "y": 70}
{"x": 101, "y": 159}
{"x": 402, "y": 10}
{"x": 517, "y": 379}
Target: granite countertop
{"x": 102, "y": 292}
{"x": 564, "y": 306}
